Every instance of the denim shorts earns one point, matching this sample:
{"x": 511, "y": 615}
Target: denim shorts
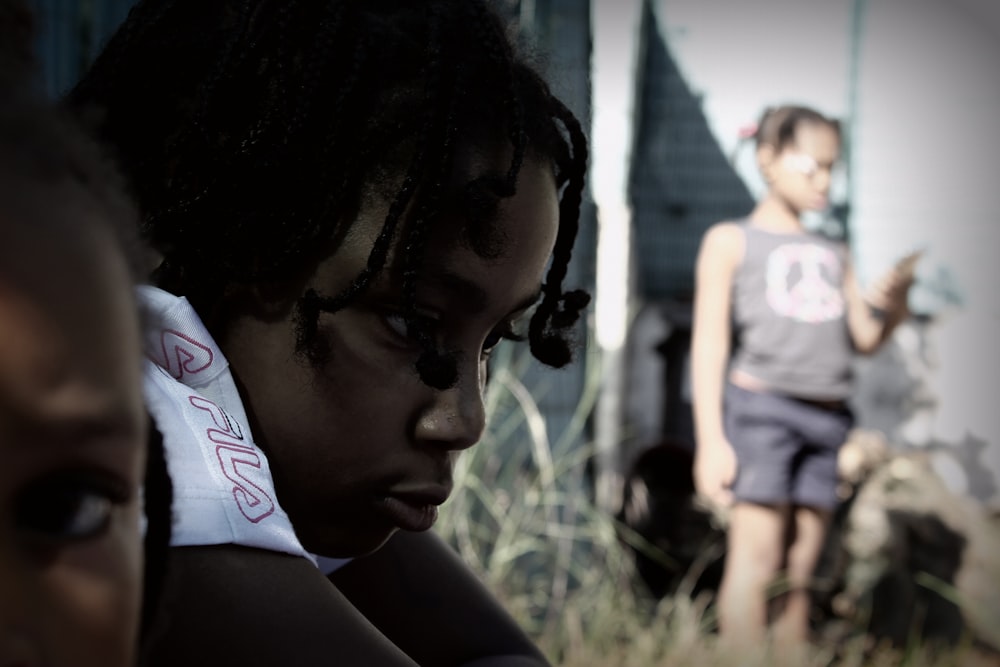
{"x": 786, "y": 448}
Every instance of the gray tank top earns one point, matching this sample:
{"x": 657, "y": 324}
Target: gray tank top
{"x": 790, "y": 312}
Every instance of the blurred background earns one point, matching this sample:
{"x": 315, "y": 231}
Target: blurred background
{"x": 578, "y": 505}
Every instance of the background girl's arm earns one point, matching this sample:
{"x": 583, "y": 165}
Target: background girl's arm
{"x": 872, "y": 315}
{"x": 420, "y": 593}
{"x": 720, "y": 253}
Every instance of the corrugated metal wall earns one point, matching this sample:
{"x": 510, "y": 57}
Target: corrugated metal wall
{"x": 71, "y": 33}
{"x": 681, "y": 180}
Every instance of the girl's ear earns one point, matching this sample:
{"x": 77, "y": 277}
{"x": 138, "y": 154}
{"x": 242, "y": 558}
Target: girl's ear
{"x": 766, "y": 159}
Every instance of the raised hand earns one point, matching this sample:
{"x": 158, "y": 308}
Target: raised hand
{"x": 889, "y": 292}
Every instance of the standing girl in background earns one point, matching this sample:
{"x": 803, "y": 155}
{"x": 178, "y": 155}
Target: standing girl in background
{"x": 769, "y": 425}
{"x": 355, "y": 201}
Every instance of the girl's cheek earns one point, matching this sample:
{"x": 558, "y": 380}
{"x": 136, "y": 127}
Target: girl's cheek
{"x": 94, "y": 593}
{"x": 364, "y": 347}
{"x": 115, "y": 559}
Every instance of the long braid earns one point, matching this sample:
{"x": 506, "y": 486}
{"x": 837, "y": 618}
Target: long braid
{"x": 285, "y": 9}
{"x": 500, "y": 52}
{"x": 159, "y": 494}
{"x": 559, "y": 311}
{"x": 197, "y": 129}
{"x": 436, "y": 368}
{"x": 325, "y": 45}
{"x": 230, "y": 57}
{"x": 326, "y": 42}
{"x": 311, "y": 303}
{"x": 17, "y": 58}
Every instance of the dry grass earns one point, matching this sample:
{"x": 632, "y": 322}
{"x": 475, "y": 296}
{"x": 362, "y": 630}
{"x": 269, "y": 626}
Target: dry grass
{"x": 523, "y": 517}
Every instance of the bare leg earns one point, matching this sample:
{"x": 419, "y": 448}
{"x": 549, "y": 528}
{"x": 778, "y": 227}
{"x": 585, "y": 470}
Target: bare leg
{"x": 791, "y": 626}
{"x": 756, "y": 541}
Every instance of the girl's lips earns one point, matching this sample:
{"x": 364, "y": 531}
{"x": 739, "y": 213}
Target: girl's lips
{"x": 410, "y": 513}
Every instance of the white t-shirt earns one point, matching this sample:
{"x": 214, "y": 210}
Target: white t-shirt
{"x": 223, "y": 491}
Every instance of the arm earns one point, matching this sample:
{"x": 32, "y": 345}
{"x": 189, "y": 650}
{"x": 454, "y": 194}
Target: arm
{"x": 872, "y": 316}
{"x": 231, "y": 605}
{"x": 718, "y": 257}
{"x": 420, "y": 593}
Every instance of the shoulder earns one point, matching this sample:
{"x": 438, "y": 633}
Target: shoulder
{"x": 236, "y": 605}
{"x": 416, "y": 586}
{"x": 223, "y": 489}
{"x": 723, "y": 241}
{"x": 727, "y": 230}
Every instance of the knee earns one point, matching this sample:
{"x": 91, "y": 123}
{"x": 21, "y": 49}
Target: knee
{"x": 756, "y": 559}
{"x": 804, "y": 554}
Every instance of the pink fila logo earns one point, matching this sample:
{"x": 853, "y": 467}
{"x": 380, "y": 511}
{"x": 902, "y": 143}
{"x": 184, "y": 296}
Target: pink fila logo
{"x": 182, "y": 355}
{"x": 237, "y": 461}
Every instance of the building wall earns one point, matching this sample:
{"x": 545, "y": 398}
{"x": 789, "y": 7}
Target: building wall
{"x": 681, "y": 180}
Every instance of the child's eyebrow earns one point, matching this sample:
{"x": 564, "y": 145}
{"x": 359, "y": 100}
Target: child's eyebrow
{"x": 80, "y": 427}
{"x": 468, "y": 291}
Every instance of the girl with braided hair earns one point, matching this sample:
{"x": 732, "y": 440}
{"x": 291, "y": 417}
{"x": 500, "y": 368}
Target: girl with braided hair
{"x": 354, "y": 201}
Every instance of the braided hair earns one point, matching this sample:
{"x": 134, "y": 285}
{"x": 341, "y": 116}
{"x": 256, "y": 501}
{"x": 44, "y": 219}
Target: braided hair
{"x": 17, "y": 61}
{"x": 778, "y": 125}
{"x": 252, "y": 130}
{"x": 158, "y": 495}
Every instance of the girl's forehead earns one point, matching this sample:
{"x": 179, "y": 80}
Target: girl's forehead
{"x": 474, "y": 210}
{"x": 481, "y": 228}
{"x": 62, "y": 261}
{"x": 814, "y": 134}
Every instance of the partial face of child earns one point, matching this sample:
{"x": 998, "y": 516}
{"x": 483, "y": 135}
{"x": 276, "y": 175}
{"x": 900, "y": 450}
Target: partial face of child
{"x": 801, "y": 172}
{"x": 72, "y": 440}
{"x": 361, "y": 447}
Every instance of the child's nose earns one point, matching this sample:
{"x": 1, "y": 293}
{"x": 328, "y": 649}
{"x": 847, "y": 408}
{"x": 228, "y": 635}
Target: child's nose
{"x": 822, "y": 179}
{"x": 455, "y": 418}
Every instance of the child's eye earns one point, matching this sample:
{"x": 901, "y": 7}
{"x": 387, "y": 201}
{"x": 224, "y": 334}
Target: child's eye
{"x": 505, "y": 332}
{"x": 69, "y": 506}
{"x": 412, "y": 329}
{"x": 802, "y": 163}
{"x": 397, "y": 323}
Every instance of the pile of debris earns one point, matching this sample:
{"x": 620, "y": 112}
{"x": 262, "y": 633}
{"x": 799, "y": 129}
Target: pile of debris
{"x": 906, "y": 557}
